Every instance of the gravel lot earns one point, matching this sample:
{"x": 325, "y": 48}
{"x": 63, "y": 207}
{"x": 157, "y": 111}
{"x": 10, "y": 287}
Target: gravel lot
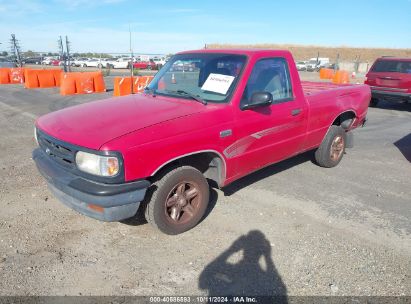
{"x": 301, "y": 229}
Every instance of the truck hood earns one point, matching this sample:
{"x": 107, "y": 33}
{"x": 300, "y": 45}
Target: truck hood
{"x": 93, "y": 124}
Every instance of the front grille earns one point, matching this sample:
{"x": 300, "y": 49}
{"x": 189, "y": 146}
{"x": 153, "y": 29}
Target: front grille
{"x": 57, "y": 150}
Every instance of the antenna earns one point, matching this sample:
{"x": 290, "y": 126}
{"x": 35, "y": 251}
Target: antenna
{"x": 132, "y": 60}
{"x": 62, "y": 54}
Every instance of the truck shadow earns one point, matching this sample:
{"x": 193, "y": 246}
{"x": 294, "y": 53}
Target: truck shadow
{"x": 268, "y": 171}
{"x": 244, "y": 269}
{"x": 386, "y": 105}
{"x": 139, "y": 219}
{"x": 404, "y": 145}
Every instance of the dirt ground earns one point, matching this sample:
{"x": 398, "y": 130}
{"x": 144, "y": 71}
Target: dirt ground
{"x": 293, "y": 228}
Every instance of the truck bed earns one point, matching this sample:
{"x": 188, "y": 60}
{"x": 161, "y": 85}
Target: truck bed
{"x": 327, "y": 100}
{"x": 313, "y": 88}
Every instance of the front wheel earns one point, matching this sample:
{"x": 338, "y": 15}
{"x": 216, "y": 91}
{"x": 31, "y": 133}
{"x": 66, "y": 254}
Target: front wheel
{"x": 332, "y": 149}
{"x": 178, "y": 200}
{"x": 84, "y": 65}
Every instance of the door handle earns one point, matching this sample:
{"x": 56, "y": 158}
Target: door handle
{"x": 295, "y": 112}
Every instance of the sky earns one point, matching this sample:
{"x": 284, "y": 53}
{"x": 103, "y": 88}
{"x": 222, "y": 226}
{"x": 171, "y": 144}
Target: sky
{"x": 162, "y": 27}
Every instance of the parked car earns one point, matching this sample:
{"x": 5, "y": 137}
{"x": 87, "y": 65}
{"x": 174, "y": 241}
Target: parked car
{"x": 7, "y": 63}
{"x": 160, "y": 149}
{"x": 159, "y": 62}
{"x": 47, "y": 60}
{"x": 79, "y": 62}
{"x": 301, "y": 65}
{"x": 180, "y": 66}
{"x": 32, "y": 60}
{"x": 94, "y": 62}
{"x": 56, "y": 62}
{"x": 390, "y": 79}
{"x": 145, "y": 65}
{"x": 315, "y": 64}
{"x": 120, "y": 63}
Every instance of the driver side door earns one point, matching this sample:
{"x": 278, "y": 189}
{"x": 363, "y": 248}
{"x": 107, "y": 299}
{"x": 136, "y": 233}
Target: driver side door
{"x": 271, "y": 133}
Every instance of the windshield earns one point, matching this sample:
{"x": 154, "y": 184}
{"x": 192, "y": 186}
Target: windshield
{"x": 210, "y": 77}
{"x": 395, "y": 66}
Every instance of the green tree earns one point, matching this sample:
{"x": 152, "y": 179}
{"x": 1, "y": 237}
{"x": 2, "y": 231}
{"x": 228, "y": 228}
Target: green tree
{"x": 29, "y": 54}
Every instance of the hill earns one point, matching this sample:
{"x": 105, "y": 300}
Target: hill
{"x": 304, "y": 52}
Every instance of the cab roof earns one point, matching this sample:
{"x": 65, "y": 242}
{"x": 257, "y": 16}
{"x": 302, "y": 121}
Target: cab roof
{"x": 247, "y": 52}
{"x": 394, "y": 58}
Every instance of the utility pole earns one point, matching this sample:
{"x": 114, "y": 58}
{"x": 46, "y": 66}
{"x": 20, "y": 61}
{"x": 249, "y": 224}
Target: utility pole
{"x": 337, "y": 63}
{"x": 15, "y": 49}
{"x": 62, "y": 55}
{"x": 357, "y": 63}
{"x": 68, "y": 53}
{"x": 132, "y": 59}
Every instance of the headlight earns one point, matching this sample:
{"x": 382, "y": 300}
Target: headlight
{"x": 97, "y": 164}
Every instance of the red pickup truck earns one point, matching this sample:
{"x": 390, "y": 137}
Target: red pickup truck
{"x": 237, "y": 112}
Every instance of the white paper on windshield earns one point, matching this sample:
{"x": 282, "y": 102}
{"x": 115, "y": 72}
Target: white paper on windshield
{"x": 218, "y": 83}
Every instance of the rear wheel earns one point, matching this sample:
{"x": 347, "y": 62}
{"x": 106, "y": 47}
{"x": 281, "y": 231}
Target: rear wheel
{"x": 149, "y": 67}
{"x": 178, "y": 200}
{"x": 84, "y": 65}
{"x": 332, "y": 149}
{"x": 99, "y": 65}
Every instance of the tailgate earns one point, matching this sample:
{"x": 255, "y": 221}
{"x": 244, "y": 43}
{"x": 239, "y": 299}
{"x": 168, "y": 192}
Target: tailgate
{"x": 400, "y": 81}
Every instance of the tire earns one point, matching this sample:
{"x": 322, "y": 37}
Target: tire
{"x": 99, "y": 66}
{"x": 84, "y": 65}
{"x": 373, "y": 102}
{"x": 173, "y": 188}
{"x": 149, "y": 67}
{"x": 332, "y": 149}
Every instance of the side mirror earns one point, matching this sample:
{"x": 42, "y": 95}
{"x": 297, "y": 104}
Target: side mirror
{"x": 258, "y": 99}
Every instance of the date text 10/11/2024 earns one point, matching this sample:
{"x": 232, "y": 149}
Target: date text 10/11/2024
{"x": 204, "y": 299}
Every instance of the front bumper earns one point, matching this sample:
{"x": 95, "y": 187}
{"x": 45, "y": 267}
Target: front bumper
{"x": 390, "y": 95}
{"x": 105, "y": 202}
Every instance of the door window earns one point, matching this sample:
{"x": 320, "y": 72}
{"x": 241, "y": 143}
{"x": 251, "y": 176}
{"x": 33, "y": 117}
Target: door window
{"x": 269, "y": 75}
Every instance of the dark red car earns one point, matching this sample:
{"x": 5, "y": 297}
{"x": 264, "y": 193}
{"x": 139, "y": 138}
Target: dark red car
{"x": 145, "y": 65}
{"x": 390, "y": 79}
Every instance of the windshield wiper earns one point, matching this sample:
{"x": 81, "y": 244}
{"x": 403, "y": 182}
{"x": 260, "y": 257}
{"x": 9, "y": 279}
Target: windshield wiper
{"x": 192, "y": 96}
{"x": 150, "y": 91}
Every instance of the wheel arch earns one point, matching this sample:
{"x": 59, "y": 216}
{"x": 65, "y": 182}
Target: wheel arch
{"x": 345, "y": 119}
{"x": 209, "y": 162}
